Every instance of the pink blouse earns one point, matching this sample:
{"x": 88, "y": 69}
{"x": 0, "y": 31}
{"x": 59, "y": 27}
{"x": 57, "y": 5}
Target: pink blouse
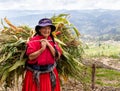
{"x": 46, "y": 56}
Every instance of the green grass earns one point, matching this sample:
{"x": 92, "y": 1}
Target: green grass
{"x": 103, "y": 77}
{"x": 107, "y": 77}
{"x": 104, "y": 50}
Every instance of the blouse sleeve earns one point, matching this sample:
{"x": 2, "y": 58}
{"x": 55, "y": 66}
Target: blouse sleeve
{"x": 30, "y": 48}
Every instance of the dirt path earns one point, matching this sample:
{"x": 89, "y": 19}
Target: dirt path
{"x": 103, "y": 63}
{"x": 113, "y": 63}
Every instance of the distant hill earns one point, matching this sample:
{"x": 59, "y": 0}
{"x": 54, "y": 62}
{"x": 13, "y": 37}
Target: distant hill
{"x": 93, "y": 24}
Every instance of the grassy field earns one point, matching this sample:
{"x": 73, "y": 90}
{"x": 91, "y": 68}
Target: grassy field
{"x": 104, "y": 77}
{"x": 102, "y": 50}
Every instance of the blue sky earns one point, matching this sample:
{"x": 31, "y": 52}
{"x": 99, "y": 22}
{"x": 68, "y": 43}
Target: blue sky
{"x": 58, "y": 4}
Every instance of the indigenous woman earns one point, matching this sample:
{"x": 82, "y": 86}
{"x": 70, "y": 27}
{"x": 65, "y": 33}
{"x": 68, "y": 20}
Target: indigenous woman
{"x": 42, "y": 51}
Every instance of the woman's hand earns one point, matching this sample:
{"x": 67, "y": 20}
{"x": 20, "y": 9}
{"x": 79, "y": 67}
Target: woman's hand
{"x": 46, "y": 43}
{"x": 43, "y": 44}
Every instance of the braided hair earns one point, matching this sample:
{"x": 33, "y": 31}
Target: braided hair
{"x": 56, "y": 51}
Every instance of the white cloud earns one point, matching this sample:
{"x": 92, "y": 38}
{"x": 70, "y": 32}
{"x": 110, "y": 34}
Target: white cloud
{"x": 112, "y": 4}
{"x": 58, "y": 4}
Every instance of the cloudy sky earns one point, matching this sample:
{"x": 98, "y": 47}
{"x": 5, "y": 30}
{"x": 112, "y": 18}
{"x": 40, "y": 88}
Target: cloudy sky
{"x": 59, "y": 4}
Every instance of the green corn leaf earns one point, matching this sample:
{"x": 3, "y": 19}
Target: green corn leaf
{"x": 3, "y": 24}
{"x": 4, "y": 68}
{"x": 16, "y": 65}
{"x": 4, "y": 76}
{"x": 8, "y": 56}
{"x": 3, "y": 57}
{"x": 76, "y": 31}
{"x": 79, "y": 63}
{"x": 22, "y": 54}
{"x": 63, "y": 15}
{"x": 60, "y": 42}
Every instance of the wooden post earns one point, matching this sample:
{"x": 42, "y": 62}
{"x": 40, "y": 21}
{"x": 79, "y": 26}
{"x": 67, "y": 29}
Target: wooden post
{"x": 93, "y": 77}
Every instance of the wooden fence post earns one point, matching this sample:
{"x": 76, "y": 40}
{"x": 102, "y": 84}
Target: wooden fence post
{"x": 93, "y": 77}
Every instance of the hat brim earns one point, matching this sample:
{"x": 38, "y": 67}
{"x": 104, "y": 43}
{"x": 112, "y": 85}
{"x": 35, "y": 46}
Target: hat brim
{"x": 37, "y": 28}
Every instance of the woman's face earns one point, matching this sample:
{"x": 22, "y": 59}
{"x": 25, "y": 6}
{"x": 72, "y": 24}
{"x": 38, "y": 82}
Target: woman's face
{"x": 45, "y": 31}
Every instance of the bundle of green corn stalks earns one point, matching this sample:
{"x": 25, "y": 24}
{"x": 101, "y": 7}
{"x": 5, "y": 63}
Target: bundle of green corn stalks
{"x": 13, "y": 44}
{"x": 69, "y": 40}
{"x": 12, "y": 41}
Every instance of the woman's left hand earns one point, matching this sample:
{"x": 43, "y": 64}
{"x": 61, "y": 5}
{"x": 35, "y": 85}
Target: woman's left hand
{"x": 47, "y": 42}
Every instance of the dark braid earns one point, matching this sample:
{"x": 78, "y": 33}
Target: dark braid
{"x": 35, "y": 34}
{"x": 56, "y": 51}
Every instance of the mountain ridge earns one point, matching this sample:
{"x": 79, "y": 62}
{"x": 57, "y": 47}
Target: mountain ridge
{"x": 89, "y": 22}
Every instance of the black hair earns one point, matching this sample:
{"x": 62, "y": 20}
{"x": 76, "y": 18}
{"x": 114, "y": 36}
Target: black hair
{"x": 56, "y": 51}
{"x": 37, "y": 28}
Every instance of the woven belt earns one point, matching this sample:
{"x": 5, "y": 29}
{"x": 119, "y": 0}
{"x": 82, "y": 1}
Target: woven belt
{"x": 37, "y": 70}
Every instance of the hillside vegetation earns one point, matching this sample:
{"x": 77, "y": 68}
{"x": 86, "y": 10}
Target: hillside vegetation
{"x": 110, "y": 49}
{"x": 103, "y": 24}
